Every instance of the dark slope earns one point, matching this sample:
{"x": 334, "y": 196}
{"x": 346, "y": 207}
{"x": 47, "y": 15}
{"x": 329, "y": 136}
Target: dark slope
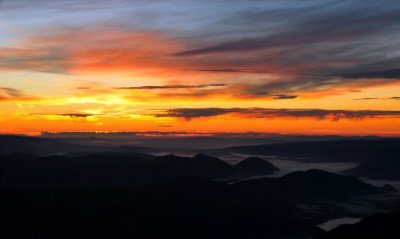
{"x": 336, "y": 151}
{"x": 378, "y": 169}
{"x": 183, "y": 208}
{"x": 311, "y": 185}
{"x": 382, "y": 226}
{"x": 108, "y": 170}
{"x": 200, "y": 165}
{"x": 255, "y": 166}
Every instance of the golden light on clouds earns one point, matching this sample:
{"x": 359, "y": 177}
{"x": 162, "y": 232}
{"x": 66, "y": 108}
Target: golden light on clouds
{"x": 103, "y": 73}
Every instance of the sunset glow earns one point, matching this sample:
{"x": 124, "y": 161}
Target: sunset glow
{"x": 199, "y": 66}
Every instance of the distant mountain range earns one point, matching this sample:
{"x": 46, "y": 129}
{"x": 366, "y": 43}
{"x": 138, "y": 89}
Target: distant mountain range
{"x": 10, "y": 144}
{"x": 384, "y": 168}
{"x": 57, "y": 145}
{"x": 378, "y": 157}
{"x": 185, "y": 140}
{"x": 327, "y": 151}
{"x": 135, "y": 169}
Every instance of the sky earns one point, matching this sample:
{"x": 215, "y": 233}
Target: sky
{"x": 206, "y": 66}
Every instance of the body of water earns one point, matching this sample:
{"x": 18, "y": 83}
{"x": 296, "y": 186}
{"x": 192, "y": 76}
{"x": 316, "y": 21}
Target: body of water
{"x": 331, "y": 224}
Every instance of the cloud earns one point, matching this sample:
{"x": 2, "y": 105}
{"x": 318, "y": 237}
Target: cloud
{"x": 157, "y": 87}
{"x": 318, "y": 24}
{"x": 355, "y": 91}
{"x": 368, "y": 98}
{"x": 384, "y": 98}
{"x": 324, "y": 46}
{"x": 11, "y": 94}
{"x": 284, "y": 97}
{"x": 234, "y": 70}
{"x": 394, "y": 98}
{"x": 91, "y": 50}
{"x": 243, "y": 91}
{"x": 76, "y": 115}
{"x": 84, "y": 87}
{"x": 196, "y": 91}
{"x": 386, "y": 74}
{"x": 69, "y": 115}
{"x": 320, "y": 114}
{"x": 34, "y": 59}
{"x": 277, "y": 90}
{"x": 318, "y": 43}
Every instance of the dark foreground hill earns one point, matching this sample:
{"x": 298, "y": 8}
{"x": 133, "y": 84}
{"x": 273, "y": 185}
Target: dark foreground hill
{"x": 324, "y": 151}
{"x": 382, "y": 226}
{"x": 312, "y": 185}
{"x": 113, "y": 170}
{"x": 182, "y": 208}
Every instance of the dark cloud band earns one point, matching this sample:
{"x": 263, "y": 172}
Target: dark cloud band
{"x": 70, "y": 115}
{"x": 190, "y": 113}
{"x": 158, "y": 87}
{"x": 386, "y": 74}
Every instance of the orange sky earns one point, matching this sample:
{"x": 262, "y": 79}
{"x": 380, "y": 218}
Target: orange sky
{"x": 112, "y": 68}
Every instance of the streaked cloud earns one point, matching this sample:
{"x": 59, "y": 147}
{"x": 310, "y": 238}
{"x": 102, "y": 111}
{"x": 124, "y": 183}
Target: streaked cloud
{"x": 284, "y": 97}
{"x": 320, "y": 41}
{"x": 76, "y": 115}
{"x": 66, "y": 115}
{"x": 320, "y": 114}
{"x": 158, "y": 87}
{"x": 368, "y": 98}
{"x": 11, "y": 94}
{"x": 381, "y": 98}
{"x": 234, "y": 70}
{"x": 388, "y": 74}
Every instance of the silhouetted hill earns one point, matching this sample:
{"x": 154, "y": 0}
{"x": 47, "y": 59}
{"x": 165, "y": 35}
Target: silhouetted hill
{"x": 335, "y": 150}
{"x": 312, "y": 184}
{"x": 255, "y": 166}
{"x": 382, "y": 226}
{"x": 108, "y": 170}
{"x": 183, "y": 208}
{"x": 378, "y": 169}
{"x": 200, "y": 165}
